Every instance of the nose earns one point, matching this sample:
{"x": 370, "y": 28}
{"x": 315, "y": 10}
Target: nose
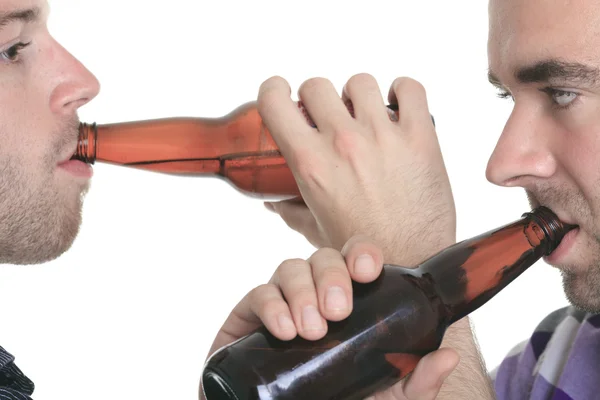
{"x": 74, "y": 85}
{"x": 523, "y": 152}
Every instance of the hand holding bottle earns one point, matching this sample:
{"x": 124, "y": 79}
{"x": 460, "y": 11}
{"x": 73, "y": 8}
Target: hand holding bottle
{"x": 302, "y": 295}
{"x": 368, "y": 174}
{"x": 397, "y": 320}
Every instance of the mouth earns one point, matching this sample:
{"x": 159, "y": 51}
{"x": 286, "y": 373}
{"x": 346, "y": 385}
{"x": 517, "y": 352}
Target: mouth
{"x": 74, "y": 167}
{"x": 559, "y": 255}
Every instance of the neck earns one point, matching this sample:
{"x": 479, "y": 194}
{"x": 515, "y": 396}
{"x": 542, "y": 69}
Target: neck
{"x": 468, "y": 274}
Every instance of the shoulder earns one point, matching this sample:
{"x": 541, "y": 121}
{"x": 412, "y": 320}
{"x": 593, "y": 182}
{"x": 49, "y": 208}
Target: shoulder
{"x": 13, "y": 383}
{"x": 549, "y": 345}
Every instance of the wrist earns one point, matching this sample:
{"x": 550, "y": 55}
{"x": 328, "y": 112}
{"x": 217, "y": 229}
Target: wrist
{"x": 459, "y": 334}
{"x": 470, "y": 380}
{"x": 412, "y": 254}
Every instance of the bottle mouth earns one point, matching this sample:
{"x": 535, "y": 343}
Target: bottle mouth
{"x": 86, "y": 143}
{"x": 554, "y": 229}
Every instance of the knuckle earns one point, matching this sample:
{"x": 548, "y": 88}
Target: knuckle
{"x": 332, "y": 272}
{"x": 261, "y": 291}
{"x": 351, "y": 149}
{"x": 361, "y": 239}
{"x": 313, "y": 85}
{"x": 266, "y": 100}
{"x": 263, "y": 299}
{"x": 325, "y": 253}
{"x": 409, "y": 85}
{"x": 346, "y": 143}
{"x": 269, "y": 92}
{"x": 361, "y": 80}
{"x": 302, "y": 295}
{"x": 361, "y": 244}
{"x": 273, "y": 82}
{"x": 329, "y": 262}
{"x": 269, "y": 305}
{"x": 292, "y": 267}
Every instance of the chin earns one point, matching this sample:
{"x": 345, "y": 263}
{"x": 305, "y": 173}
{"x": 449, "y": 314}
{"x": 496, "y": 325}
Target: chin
{"x": 42, "y": 231}
{"x": 583, "y": 289}
{"x": 39, "y": 250}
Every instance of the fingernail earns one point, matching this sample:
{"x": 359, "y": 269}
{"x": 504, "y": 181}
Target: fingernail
{"x": 335, "y": 299}
{"x": 364, "y": 265}
{"x": 311, "y": 319}
{"x": 285, "y": 322}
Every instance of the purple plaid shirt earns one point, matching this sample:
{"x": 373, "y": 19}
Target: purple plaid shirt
{"x": 561, "y": 360}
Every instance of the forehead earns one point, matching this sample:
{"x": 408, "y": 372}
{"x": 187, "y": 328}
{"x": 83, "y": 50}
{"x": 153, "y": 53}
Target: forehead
{"x": 523, "y": 32}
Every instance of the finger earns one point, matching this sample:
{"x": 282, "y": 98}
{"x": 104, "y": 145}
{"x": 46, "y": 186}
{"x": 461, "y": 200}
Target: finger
{"x": 364, "y": 93}
{"x": 299, "y": 218}
{"x": 324, "y": 105}
{"x": 428, "y": 376}
{"x": 264, "y": 305}
{"x": 333, "y": 283}
{"x": 295, "y": 214}
{"x": 294, "y": 277}
{"x": 281, "y": 115}
{"x": 363, "y": 258}
{"x": 412, "y": 102}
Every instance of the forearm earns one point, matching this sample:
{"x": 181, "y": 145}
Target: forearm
{"x": 470, "y": 379}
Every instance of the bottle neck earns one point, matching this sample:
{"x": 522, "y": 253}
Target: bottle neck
{"x": 86, "y": 143}
{"x": 546, "y": 227}
{"x": 468, "y": 274}
{"x": 186, "y": 145}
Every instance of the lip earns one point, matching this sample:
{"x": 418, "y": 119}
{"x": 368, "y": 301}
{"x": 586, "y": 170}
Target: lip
{"x": 66, "y": 157}
{"x": 77, "y": 168}
{"x": 563, "y": 249}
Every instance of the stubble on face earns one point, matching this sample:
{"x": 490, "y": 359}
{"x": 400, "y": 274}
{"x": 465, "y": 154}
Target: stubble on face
{"x": 557, "y": 45}
{"x": 40, "y": 206}
{"x": 581, "y": 282}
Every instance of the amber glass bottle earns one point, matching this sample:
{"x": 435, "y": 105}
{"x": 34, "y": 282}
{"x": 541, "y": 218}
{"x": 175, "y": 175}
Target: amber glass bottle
{"x": 396, "y": 320}
{"x": 236, "y": 147}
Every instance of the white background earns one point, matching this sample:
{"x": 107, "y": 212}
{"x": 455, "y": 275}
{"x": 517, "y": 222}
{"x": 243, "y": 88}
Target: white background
{"x": 131, "y": 310}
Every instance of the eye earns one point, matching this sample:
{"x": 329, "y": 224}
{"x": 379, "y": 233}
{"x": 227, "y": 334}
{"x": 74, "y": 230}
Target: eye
{"x": 11, "y": 54}
{"x": 561, "y": 98}
{"x": 504, "y": 94}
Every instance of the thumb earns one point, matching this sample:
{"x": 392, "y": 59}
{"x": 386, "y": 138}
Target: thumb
{"x": 295, "y": 214}
{"x": 428, "y": 377}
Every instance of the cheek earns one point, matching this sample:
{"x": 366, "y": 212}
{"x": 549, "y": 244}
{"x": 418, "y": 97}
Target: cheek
{"x": 24, "y": 126}
{"x": 579, "y": 159}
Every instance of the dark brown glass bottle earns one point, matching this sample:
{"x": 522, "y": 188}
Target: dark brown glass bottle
{"x": 237, "y": 147}
{"x": 396, "y": 320}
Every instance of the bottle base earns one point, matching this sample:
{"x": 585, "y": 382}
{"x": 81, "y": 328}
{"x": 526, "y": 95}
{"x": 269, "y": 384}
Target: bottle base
{"x": 216, "y": 388}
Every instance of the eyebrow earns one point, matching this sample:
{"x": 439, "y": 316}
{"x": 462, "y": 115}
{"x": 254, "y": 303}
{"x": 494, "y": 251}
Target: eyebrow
{"x": 545, "y": 71}
{"x": 27, "y": 16}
